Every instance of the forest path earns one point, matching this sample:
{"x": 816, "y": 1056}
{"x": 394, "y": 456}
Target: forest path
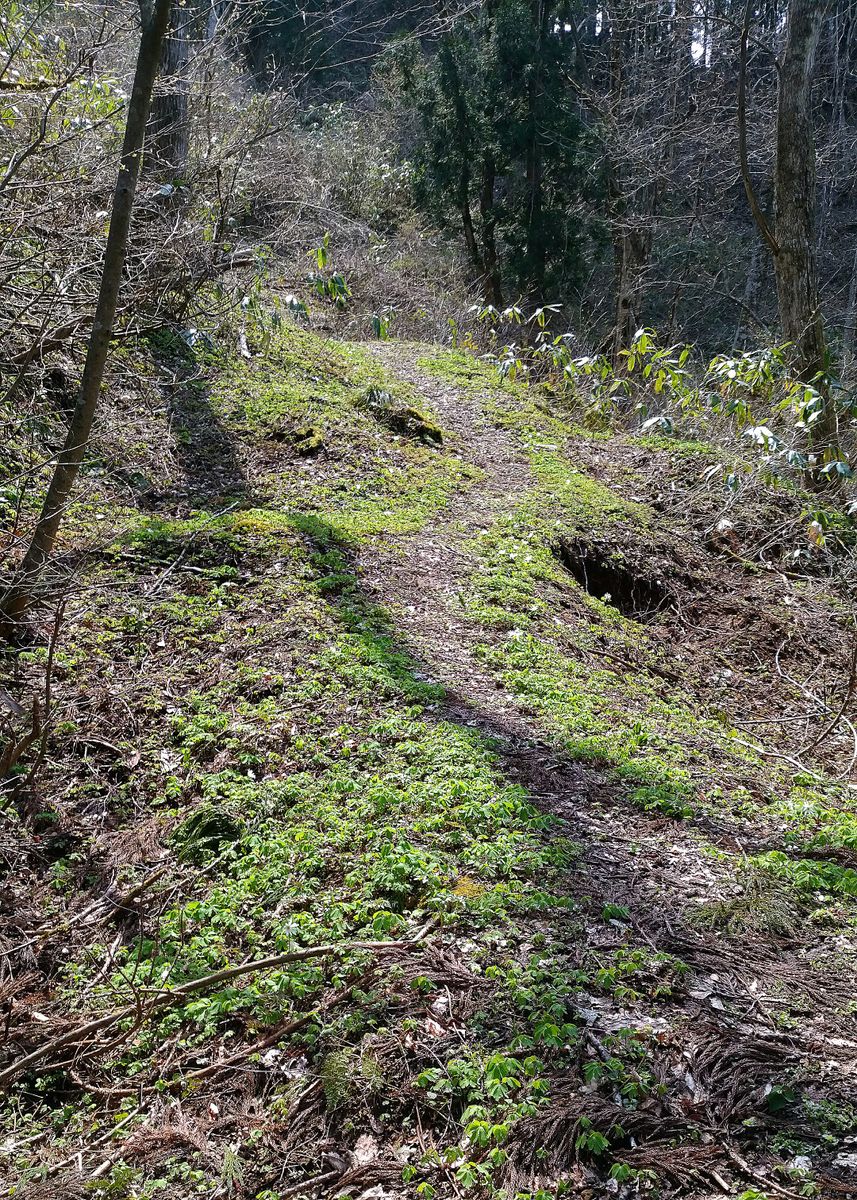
{"x": 420, "y": 580}
{"x": 420, "y": 577}
{"x": 722, "y": 1026}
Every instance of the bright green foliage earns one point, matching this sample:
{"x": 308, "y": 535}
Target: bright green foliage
{"x": 662, "y": 391}
{"x": 328, "y": 284}
{"x": 369, "y": 816}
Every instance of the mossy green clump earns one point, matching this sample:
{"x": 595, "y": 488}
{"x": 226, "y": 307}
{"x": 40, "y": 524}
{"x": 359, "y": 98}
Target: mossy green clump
{"x": 338, "y": 1075}
{"x": 677, "y": 447}
{"x": 763, "y": 906}
{"x": 407, "y": 420}
{"x": 205, "y": 832}
{"x": 412, "y": 422}
{"x": 459, "y": 367}
{"x": 299, "y": 376}
{"x": 308, "y": 441}
{"x": 314, "y": 420}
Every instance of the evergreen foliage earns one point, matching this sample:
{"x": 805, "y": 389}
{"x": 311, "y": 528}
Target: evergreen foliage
{"x": 501, "y": 136}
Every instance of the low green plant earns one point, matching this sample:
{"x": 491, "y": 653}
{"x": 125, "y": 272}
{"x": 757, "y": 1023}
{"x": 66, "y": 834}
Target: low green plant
{"x": 328, "y": 285}
{"x": 755, "y": 392}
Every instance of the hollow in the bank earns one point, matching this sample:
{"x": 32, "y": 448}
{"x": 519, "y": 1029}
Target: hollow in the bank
{"x": 610, "y": 579}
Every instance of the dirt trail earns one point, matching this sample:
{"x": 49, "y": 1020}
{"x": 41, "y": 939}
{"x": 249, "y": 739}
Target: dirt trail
{"x": 419, "y": 577}
{"x": 724, "y": 1031}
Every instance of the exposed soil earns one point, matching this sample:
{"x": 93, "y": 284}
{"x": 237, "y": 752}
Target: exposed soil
{"x": 631, "y": 593}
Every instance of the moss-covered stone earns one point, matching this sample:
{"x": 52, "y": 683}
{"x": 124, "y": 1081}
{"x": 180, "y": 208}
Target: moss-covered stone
{"x": 406, "y": 420}
{"x": 308, "y": 441}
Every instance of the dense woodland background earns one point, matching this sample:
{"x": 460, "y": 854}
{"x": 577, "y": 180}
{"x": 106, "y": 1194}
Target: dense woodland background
{"x": 504, "y": 150}
{"x": 563, "y": 144}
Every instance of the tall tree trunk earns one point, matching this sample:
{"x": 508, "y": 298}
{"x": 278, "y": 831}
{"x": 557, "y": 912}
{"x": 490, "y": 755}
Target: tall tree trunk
{"x": 623, "y": 321}
{"x": 751, "y": 288}
{"x": 168, "y": 134}
{"x": 463, "y": 139}
{"x": 631, "y": 248}
{"x": 22, "y": 594}
{"x": 850, "y": 327}
{"x": 794, "y": 210}
{"x": 493, "y": 284}
{"x": 536, "y": 242}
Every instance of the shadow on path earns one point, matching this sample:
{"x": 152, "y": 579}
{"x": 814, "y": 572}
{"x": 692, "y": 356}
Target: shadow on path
{"x": 710, "y": 1049}
{"x": 207, "y": 454}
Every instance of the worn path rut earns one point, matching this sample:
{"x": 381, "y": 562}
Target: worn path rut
{"x": 419, "y": 578}
{"x": 654, "y": 866}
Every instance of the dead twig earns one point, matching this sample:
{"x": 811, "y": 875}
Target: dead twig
{"x": 769, "y": 1185}
{"x": 840, "y": 712}
{"x": 315, "y": 1182}
{"x": 163, "y": 999}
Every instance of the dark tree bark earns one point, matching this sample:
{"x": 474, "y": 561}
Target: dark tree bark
{"x": 794, "y": 209}
{"x": 168, "y": 133}
{"x": 463, "y": 139}
{"x": 493, "y": 284}
{"x": 756, "y": 209}
{"x": 536, "y": 243}
{"x": 631, "y": 249}
{"x": 849, "y": 331}
{"x": 794, "y": 191}
{"x": 792, "y": 240}
{"x": 22, "y": 594}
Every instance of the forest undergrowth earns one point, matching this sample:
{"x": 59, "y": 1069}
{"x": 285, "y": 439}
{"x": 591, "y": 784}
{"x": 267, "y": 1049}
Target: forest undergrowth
{"x": 434, "y": 802}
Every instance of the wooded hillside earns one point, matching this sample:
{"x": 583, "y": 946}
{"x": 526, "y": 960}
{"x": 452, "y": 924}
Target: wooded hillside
{"x": 427, "y": 635}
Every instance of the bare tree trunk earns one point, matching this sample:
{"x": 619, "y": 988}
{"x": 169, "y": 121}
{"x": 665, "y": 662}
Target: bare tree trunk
{"x": 794, "y": 192}
{"x": 751, "y": 288}
{"x": 792, "y": 239}
{"x": 794, "y": 210}
{"x": 22, "y": 594}
{"x": 488, "y": 217}
{"x": 463, "y": 138}
{"x": 752, "y": 199}
{"x": 631, "y": 248}
{"x": 849, "y": 330}
{"x": 536, "y": 249}
{"x": 623, "y": 326}
{"x": 168, "y": 133}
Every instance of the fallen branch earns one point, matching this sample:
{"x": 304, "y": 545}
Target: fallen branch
{"x": 15, "y": 748}
{"x": 173, "y": 996}
{"x": 840, "y": 712}
{"x": 769, "y": 1185}
{"x": 316, "y": 1181}
{"x": 120, "y": 905}
{"x": 55, "y": 1168}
